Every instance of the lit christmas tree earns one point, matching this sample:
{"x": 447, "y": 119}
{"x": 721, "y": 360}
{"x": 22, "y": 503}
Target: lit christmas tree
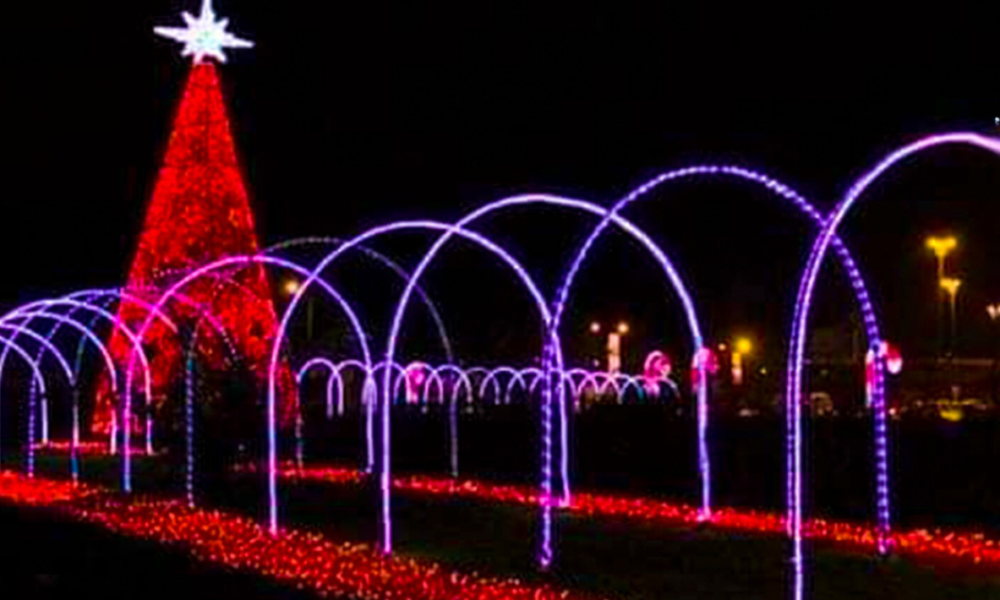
{"x": 199, "y": 213}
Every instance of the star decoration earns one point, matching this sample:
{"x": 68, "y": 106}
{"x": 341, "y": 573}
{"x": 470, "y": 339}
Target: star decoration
{"x": 204, "y": 36}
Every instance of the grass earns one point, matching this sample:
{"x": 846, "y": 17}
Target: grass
{"x": 617, "y": 558}
{"x": 45, "y": 556}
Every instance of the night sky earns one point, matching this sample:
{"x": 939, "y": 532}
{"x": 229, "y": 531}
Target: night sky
{"x": 348, "y": 117}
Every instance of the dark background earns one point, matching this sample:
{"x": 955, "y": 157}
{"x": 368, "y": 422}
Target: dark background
{"x": 347, "y": 117}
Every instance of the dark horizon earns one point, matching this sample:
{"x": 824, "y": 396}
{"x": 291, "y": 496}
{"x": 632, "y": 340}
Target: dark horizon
{"x": 344, "y": 121}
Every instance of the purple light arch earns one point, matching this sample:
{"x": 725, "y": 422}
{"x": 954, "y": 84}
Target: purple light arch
{"x": 89, "y": 298}
{"x": 799, "y": 334}
{"x": 857, "y": 283}
{"x": 87, "y": 334}
{"x": 272, "y": 433}
{"x": 36, "y": 379}
{"x": 384, "y": 475}
{"x": 70, "y": 302}
{"x": 332, "y": 378}
{"x": 552, "y": 352}
{"x": 20, "y": 329}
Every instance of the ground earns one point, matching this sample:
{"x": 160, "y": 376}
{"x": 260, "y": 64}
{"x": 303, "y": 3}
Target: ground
{"x": 615, "y": 558}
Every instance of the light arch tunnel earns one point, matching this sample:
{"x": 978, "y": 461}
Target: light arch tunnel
{"x": 93, "y": 302}
{"x": 266, "y": 258}
{"x": 712, "y": 171}
{"x": 612, "y": 217}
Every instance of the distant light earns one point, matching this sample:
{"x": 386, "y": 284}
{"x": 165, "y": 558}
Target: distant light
{"x": 893, "y": 358}
{"x": 623, "y": 328}
{"x": 723, "y": 347}
{"x": 950, "y": 284}
{"x": 743, "y": 345}
{"x": 595, "y": 327}
{"x": 292, "y": 286}
{"x": 993, "y": 310}
{"x": 952, "y": 414}
{"x": 657, "y": 365}
{"x": 763, "y": 370}
{"x": 941, "y": 246}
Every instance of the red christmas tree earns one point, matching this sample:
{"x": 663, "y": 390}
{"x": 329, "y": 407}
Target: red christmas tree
{"x": 199, "y": 213}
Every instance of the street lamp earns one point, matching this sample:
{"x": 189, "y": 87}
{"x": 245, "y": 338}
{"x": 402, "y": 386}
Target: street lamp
{"x": 741, "y": 347}
{"x": 941, "y": 247}
{"x": 951, "y": 285}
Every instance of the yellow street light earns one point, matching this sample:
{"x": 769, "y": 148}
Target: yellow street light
{"x": 623, "y": 328}
{"x": 941, "y": 247}
{"x": 950, "y": 285}
{"x": 741, "y": 347}
{"x": 291, "y": 286}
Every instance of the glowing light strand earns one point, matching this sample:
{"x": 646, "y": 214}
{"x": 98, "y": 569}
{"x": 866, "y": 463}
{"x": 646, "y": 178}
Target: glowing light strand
{"x": 799, "y": 330}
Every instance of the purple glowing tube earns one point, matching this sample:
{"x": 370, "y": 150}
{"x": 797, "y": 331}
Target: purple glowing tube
{"x": 83, "y": 301}
{"x": 87, "y": 335}
{"x": 384, "y": 475}
{"x": 17, "y": 330}
{"x": 367, "y": 392}
{"x": 37, "y": 379}
{"x": 390, "y": 264}
{"x": 461, "y": 382}
{"x": 771, "y": 184}
{"x": 799, "y": 331}
{"x": 333, "y": 378}
{"x": 169, "y": 295}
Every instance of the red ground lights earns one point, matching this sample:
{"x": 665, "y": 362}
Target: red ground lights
{"x": 955, "y": 549}
{"x": 303, "y": 559}
{"x": 90, "y": 448}
{"x": 199, "y": 213}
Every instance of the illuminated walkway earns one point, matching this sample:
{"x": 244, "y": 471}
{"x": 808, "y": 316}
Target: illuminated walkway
{"x": 295, "y": 557}
{"x": 963, "y": 550}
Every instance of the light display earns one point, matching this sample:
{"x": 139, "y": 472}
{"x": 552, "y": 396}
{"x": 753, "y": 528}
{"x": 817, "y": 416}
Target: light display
{"x": 199, "y": 213}
{"x": 37, "y": 379}
{"x": 195, "y": 279}
{"x": 334, "y": 380}
{"x": 799, "y": 334}
{"x": 386, "y": 395}
{"x": 199, "y": 238}
{"x": 204, "y": 37}
{"x": 893, "y": 358}
{"x": 44, "y": 344}
{"x": 304, "y": 559}
{"x": 784, "y": 192}
{"x": 552, "y": 351}
{"x": 967, "y": 550}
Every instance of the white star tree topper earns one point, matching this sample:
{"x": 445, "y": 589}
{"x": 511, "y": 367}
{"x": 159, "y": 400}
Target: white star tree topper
{"x": 204, "y": 36}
